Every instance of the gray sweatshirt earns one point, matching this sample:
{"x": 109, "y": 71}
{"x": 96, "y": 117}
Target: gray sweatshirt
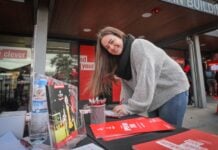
{"x": 156, "y": 78}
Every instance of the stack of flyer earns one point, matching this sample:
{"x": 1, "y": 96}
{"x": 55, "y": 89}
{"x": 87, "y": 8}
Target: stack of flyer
{"x": 129, "y": 127}
{"x": 189, "y": 140}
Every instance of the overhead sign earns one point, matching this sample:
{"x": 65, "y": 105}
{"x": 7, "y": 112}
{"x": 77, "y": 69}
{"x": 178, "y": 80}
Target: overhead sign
{"x": 14, "y": 57}
{"x": 198, "y": 5}
{"x": 12, "y": 53}
{"x": 85, "y": 65}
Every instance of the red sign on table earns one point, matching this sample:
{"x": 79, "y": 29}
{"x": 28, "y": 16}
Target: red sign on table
{"x": 188, "y": 140}
{"x": 123, "y": 128}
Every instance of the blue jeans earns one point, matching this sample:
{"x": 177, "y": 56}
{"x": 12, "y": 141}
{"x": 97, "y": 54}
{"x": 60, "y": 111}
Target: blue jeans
{"x": 173, "y": 111}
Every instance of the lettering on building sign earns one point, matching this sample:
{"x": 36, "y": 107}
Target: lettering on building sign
{"x": 13, "y": 54}
{"x": 85, "y": 65}
{"x": 83, "y": 58}
{"x": 198, "y": 5}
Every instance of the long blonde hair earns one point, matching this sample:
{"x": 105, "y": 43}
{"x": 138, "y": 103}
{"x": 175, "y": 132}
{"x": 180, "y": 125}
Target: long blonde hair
{"x": 105, "y": 64}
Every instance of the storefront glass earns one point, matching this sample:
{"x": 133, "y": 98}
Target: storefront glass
{"x": 15, "y": 68}
{"x": 15, "y": 61}
{"x": 62, "y": 61}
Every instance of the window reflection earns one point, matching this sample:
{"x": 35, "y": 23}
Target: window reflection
{"x": 62, "y": 61}
{"x": 15, "y": 68}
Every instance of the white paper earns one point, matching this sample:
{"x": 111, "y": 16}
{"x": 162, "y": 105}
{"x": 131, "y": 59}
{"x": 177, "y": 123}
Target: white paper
{"x": 90, "y": 146}
{"x": 13, "y": 121}
{"x": 110, "y": 113}
{"x": 9, "y": 142}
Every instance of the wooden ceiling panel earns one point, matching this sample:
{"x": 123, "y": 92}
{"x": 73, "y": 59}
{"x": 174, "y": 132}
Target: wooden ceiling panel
{"x": 178, "y": 20}
{"x": 68, "y": 18}
{"x": 179, "y": 45}
{"x": 126, "y": 15}
{"x": 63, "y": 20}
{"x": 209, "y": 43}
{"x": 16, "y": 18}
{"x": 97, "y": 14}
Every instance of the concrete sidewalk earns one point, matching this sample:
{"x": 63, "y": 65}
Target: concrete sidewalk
{"x": 205, "y": 119}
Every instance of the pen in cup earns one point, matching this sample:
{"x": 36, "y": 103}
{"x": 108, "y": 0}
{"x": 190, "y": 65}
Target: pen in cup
{"x": 97, "y": 101}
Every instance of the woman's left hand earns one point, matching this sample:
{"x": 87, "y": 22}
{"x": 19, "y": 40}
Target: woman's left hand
{"x": 121, "y": 110}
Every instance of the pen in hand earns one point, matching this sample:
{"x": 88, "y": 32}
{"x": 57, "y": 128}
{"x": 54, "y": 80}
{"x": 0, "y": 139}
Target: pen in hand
{"x": 120, "y": 109}
{"x": 121, "y": 101}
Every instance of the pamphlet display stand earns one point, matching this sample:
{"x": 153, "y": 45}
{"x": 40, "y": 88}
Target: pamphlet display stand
{"x": 66, "y": 124}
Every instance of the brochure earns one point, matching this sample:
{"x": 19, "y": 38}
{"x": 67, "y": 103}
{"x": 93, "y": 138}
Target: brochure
{"x": 122, "y": 128}
{"x": 189, "y": 140}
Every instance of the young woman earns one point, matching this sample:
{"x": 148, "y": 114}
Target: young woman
{"x": 153, "y": 84}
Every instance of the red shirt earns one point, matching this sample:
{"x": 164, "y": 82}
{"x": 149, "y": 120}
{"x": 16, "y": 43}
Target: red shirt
{"x": 187, "y": 68}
